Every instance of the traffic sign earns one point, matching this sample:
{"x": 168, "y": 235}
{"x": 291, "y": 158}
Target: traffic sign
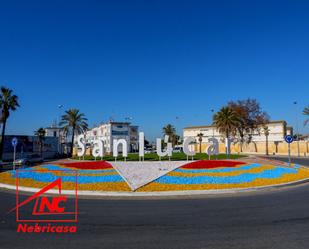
{"x": 289, "y": 139}
{"x": 14, "y": 142}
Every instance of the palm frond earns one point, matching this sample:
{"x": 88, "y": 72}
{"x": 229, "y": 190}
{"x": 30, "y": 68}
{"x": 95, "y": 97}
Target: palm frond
{"x": 227, "y": 121}
{"x": 8, "y": 102}
{"x": 306, "y": 110}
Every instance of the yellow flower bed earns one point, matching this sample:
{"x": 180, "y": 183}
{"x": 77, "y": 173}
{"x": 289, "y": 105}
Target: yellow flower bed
{"x": 233, "y": 173}
{"x": 286, "y": 178}
{"x": 110, "y": 186}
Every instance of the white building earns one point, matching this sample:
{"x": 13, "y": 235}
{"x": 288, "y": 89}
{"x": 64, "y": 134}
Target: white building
{"x": 63, "y": 140}
{"x": 52, "y": 131}
{"x": 277, "y": 131}
{"x": 111, "y": 130}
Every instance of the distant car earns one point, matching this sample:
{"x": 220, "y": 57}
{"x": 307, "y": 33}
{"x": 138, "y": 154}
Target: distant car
{"x": 148, "y": 150}
{"x": 28, "y": 160}
{"x": 177, "y": 150}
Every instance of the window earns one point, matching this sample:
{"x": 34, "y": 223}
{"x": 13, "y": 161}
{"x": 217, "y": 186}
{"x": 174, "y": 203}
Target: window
{"x": 120, "y": 133}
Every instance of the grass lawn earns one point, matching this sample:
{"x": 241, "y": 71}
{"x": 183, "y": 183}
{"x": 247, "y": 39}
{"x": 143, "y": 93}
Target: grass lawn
{"x": 155, "y": 157}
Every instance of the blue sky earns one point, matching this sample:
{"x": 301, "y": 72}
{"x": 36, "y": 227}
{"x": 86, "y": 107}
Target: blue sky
{"x": 153, "y": 60}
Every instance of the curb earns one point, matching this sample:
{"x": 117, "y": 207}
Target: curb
{"x": 158, "y": 193}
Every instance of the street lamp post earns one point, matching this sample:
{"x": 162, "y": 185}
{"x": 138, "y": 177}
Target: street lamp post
{"x": 59, "y": 113}
{"x": 129, "y": 119}
{"x": 58, "y": 127}
{"x": 177, "y": 123}
{"x": 213, "y": 131}
{"x": 297, "y": 130}
{"x": 200, "y": 140}
{"x": 266, "y": 133}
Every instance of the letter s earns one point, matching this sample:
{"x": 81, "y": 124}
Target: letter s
{"x": 81, "y": 146}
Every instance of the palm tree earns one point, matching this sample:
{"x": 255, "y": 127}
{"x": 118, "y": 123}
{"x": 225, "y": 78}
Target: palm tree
{"x": 8, "y": 102}
{"x": 75, "y": 121}
{"x": 40, "y": 133}
{"x": 178, "y": 139}
{"x": 306, "y": 112}
{"x": 226, "y": 120}
{"x": 266, "y": 133}
{"x": 200, "y": 139}
{"x": 170, "y": 131}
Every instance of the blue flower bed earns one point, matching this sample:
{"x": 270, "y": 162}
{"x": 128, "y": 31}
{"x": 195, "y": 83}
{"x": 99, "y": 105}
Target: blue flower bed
{"x": 242, "y": 178}
{"x": 41, "y": 176}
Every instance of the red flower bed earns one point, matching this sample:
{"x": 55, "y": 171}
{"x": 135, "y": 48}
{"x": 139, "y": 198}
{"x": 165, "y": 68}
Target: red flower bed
{"x": 89, "y": 165}
{"x": 209, "y": 164}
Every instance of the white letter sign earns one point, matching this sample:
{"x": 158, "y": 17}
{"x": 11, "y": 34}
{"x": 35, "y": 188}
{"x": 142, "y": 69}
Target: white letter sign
{"x": 116, "y": 143}
{"x": 169, "y": 147}
{"x": 186, "y": 144}
{"x": 141, "y": 146}
{"x": 81, "y": 146}
{"x": 98, "y": 148}
{"x": 213, "y": 149}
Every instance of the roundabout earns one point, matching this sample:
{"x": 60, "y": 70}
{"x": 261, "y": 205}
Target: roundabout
{"x": 156, "y": 178}
{"x": 260, "y": 219}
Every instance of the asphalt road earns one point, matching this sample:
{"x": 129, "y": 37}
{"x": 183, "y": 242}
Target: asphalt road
{"x": 298, "y": 160}
{"x": 276, "y": 219}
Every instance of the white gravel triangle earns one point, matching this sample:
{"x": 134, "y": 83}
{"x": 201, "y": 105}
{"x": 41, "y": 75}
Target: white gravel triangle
{"x": 138, "y": 174}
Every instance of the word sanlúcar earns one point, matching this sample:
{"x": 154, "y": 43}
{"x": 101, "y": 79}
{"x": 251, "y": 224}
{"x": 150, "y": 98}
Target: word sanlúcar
{"x": 98, "y": 146}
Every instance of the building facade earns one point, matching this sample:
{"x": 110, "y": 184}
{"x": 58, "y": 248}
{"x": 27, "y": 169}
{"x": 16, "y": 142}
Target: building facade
{"x": 276, "y": 144}
{"x": 111, "y": 130}
{"x": 277, "y": 131}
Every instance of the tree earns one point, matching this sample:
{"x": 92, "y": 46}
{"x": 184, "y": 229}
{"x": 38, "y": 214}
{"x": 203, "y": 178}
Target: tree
{"x": 170, "y": 131}
{"x": 73, "y": 121}
{"x": 251, "y": 117}
{"x": 146, "y": 142}
{"x": 226, "y": 120}
{"x": 40, "y": 133}
{"x": 200, "y": 139}
{"x": 306, "y": 112}
{"x": 178, "y": 139}
{"x": 8, "y": 102}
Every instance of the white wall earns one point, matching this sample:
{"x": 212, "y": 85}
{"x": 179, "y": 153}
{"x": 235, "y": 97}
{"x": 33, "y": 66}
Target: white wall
{"x": 276, "y": 132}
